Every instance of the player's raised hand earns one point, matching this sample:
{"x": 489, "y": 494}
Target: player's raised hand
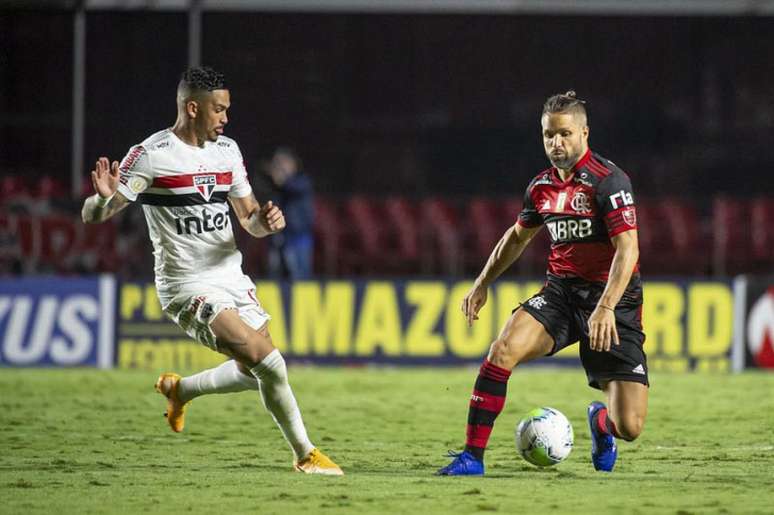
{"x": 104, "y": 177}
{"x": 602, "y": 330}
{"x": 271, "y": 217}
{"x": 473, "y": 302}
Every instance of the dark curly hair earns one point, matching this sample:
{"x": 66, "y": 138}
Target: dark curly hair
{"x": 565, "y": 103}
{"x": 202, "y": 79}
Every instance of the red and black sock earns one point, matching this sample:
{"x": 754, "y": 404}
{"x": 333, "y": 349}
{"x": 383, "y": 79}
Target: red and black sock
{"x": 605, "y": 424}
{"x": 486, "y": 403}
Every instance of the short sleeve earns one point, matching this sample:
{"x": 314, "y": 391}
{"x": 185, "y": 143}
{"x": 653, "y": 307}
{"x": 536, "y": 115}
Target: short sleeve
{"x": 240, "y": 186}
{"x": 529, "y": 216}
{"x": 616, "y": 203}
{"x": 135, "y": 174}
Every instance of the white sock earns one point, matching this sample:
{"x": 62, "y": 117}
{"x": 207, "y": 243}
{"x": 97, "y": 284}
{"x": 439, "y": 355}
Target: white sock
{"x": 225, "y": 378}
{"x": 279, "y": 401}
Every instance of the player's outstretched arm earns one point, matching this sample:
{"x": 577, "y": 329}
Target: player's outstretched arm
{"x": 107, "y": 201}
{"x": 602, "y": 330}
{"x": 505, "y": 253}
{"x": 258, "y": 220}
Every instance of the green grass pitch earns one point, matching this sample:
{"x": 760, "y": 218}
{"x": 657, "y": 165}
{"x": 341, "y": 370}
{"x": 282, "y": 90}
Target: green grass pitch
{"x": 84, "y": 441}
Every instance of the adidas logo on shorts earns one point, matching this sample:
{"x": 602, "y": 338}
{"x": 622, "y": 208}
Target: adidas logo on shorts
{"x": 639, "y": 369}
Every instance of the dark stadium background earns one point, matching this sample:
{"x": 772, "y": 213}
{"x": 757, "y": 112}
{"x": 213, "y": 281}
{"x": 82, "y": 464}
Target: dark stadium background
{"x": 431, "y": 103}
{"x": 418, "y": 122}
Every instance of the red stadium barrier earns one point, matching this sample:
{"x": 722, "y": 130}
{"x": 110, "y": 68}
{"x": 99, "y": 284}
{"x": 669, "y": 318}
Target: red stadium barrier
{"x": 731, "y": 235}
{"x": 327, "y": 235}
{"x": 364, "y": 235}
{"x": 58, "y": 243}
{"x": 762, "y": 226}
{"x": 441, "y": 233}
{"x": 403, "y": 220}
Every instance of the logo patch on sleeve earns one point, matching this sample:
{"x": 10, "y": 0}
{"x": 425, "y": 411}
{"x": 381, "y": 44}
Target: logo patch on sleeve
{"x": 137, "y": 184}
{"x": 629, "y": 216}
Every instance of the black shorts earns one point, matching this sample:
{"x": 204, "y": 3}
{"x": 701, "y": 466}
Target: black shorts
{"x": 564, "y": 306}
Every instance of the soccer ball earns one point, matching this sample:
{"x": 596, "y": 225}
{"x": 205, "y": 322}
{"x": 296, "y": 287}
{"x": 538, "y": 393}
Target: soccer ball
{"x": 544, "y": 437}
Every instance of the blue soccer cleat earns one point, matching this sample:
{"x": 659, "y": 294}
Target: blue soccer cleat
{"x": 464, "y": 464}
{"x": 603, "y": 449}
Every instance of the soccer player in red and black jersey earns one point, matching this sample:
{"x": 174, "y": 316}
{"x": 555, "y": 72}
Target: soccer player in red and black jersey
{"x": 593, "y": 292}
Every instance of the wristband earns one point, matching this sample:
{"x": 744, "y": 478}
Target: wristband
{"x": 104, "y": 201}
{"x": 606, "y": 307}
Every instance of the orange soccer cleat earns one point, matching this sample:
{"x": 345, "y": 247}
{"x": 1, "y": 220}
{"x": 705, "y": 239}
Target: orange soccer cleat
{"x": 318, "y": 463}
{"x": 167, "y": 385}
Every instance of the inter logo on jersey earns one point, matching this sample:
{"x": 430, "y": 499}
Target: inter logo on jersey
{"x": 205, "y": 185}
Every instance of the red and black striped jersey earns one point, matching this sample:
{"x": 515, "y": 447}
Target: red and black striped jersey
{"x": 581, "y": 214}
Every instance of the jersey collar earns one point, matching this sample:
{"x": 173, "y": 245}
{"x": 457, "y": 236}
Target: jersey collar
{"x": 577, "y": 166}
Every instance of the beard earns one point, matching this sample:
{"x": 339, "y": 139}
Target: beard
{"x": 212, "y": 135}
{"x": 564, "y": 161}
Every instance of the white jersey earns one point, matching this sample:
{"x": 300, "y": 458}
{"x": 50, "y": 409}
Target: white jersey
{"x": 183, "y": 190}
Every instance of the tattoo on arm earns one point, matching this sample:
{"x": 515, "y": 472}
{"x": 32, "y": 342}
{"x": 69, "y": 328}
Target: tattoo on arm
{"x": 92, "y": 213}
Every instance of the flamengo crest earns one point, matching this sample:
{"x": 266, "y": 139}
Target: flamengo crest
{"x": 580, "y": 203}
{"x": 205, "y": 185}
{"x": 629, "y": 216}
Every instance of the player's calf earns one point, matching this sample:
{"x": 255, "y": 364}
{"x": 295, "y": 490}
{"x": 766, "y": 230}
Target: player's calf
{"x": 628, "y": 404}
{"x": 629, "y": 426}
{"x": 503, "y": 353}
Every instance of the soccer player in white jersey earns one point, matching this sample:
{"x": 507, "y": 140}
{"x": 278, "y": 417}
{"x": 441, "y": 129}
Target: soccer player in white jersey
{"x": 185, "y": 177}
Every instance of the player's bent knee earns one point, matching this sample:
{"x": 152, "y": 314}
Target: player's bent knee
{"x": 259, "y": 346}
{"x": 503, "y": 354}
{"x": 630, "y": 427}
{"x": 509, "y": 352}
{"x": 248, "y": 348}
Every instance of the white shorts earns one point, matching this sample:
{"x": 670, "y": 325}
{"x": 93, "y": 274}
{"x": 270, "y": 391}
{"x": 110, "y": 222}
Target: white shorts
{"x": 193, "y": 306}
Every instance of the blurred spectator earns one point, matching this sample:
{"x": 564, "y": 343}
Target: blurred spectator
{"x": 290, "y": 251}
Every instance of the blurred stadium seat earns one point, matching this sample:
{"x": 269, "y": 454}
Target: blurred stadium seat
{"x": 12, "y": 186}
{"x": 403, "y": 220}
{"x": 48, "y": 187}
{"x": 441, "y": 236}
{"x": 688, "y": 246}
{"x": 672, "y": 236}
{"x": 730, "y": 235}
{"x": 369, "y": 253}
{"x": 762, "y": 226}
{"x": 487, "y": 223}
{"x": 394, "y": 235}
{"x": 327, "y": 234}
